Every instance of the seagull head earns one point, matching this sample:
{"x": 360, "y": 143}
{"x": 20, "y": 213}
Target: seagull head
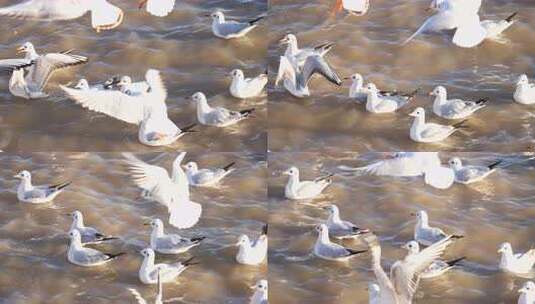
{"x": 355, "y": 78}
{"x": 23, "y": 175}
{"x": 237, "y": 74}
{"x": 371, "y": 87}
{"x": 412, "y": 247}
{"x": 261, "y": 286}
{"x": 455, "y": 163}
{"x": 332, "y": 209}
{"x": 26, "y": 48}
{"x": 288, "y": 39}
{"x": 292, "y": 171}
{"x": 438, "y": 91}
{"x": 191, "y": 167}
{"x": 321, "y": 228}
{"x": 156, "y": 223}
{"x": 242, "y": 240}
{"x": 527, "y": 288}
{"x": 421, "y": 216}
{"x": 418, "y": 112}
{"x": 147, "y": 252}
{"x": 217, "y": 16}
{"x": 74, "y": 235}
{"x": 505, "y": 248}
{"x": 198, "y": 97}
{"x": 76, "y": 215}
{"x": 522, "y": 79}
{"x": 82, "y": 84}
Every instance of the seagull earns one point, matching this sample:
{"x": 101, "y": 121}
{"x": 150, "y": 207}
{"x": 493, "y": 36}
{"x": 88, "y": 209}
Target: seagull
{"x": 244, "y": 88}
{"x": 159, "y": 8}
{"x": 437, "y": 267}
{"x": 296, "y": 80}
{"x": 374, "y": 292}
{"x": 471, "y": 174}
{"x": 525, "y": 91}
{"x": 427, "y": 235}
{"x": 170, "y": 191}
{"x": 519, "y": 263}
{"x": 296, "y": 56}
{"x": 355, "y": 7}
{"x": 89, "y": 235}
{"x": 147, "y": 110}
{"x": 150, "y": 272}
{"x": 127, "y": 86}
{"x": 357, "y": 90}
{"x": 301, "y": 190}
{"x": 430, "y": 132}
{"x": 402, "y": 164}
{"x": 86, "y": 257}
{"x": 377, "y": 103}
{"x": 454, "y": 108}
{"x": 170, "y": 243}
{"x": 252, "y": 252}
{"x": 28, "y": 193}
{"x": 159, "y": 295}
{"x": 260, "y": 295}
{"x": 231, "y": 29}
{"x": 206, "y": 177}
{"x": 104, "y": 16}
{"x": 327, "y": 250}
{"x": 340, "y": 229}
{"x": 527, "y": 293}
{"x": 218, "y": 116}
{"x": 40, "y": 69}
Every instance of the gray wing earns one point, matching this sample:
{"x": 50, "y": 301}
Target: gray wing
{"x": 471, "y": 172}
{"x": 9, "y": 65}
{"x": 46, "y": 65}
{"x": 332, "y": 250}
{"x": 172, "y": 242}
{"x": 230, "y": 28}
{"x": 89, "y": 256}
{"x": 316, "y": 64}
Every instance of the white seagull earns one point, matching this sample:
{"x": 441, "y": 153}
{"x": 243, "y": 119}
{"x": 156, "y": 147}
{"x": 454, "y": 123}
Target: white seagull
{"x": 244, "y": 88}
{"x": 170, "y": 191}
{"x": 218, "y": 116}
{"x": 524, "y": 91}
{"x": 231, "y": 29}
{"x": 377, "y": 103}
{"x": 325, "y": 249}
{"x": 518, "y": 263}
{"x": 527, "y": 293}
{"x": 355, "y": 7}
{"x": 374, "y": 293}
{"x": 28, "y": 193}
{"x": 104, "y": 16}
{"x": 147, "y": 110}
{"x": 127, "y": 86}
{"x": 296, "y": 56}
{"x": 206, "y": 177}
{"x": 89, "y": 235}
{"x": 150, "y": 272}
{"x": 454, "y": 108}
{"x": 159, "y": 8}
{"x": 260, "y": 295}
{"x": 425, "y": 132}
{"x": 471, "y": 174}
{"x": 170, "y": 243}
{"x": 340, "y": 229}
{"x": 427, "y": 235}
{"x": 437, "y": 267}
{"x": 86, "y": 257}
{"x": 252, "y": 252}
{"x": 31, "y": 74}
{"x": 159, "y": 295}
{"x": 357, "y": 90}
{"x": 300, "y": 190}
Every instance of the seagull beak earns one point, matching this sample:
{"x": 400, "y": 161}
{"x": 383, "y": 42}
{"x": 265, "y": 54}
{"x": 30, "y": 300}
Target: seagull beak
{"x": 413, "y": 214}
{"x": 146, "y": 224}
{"x": 142, "y": 3}
{"x": 208, "y": 15}
{"x": 20, "y": 50}
{"x": 17, "y": 176}
{"x": 522, "y": 290}
{"x": 284, "y": 40}
{"x": 413, "y": 114}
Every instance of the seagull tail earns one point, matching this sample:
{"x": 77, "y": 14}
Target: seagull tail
{"x": 359, "y": 231}
{"x": 355, "y": 252}
{"x": 461, "y": 125}
{"x": 227, "y": 167}
{"x": 482, "y": 101}
{"x": 108, "y": 238}
{"x": 252, "y": 22}
{"x": 113, "y": 256}
{"x": 198, "y": 239}
{"x": 61, "y": 186}
{"x": 511, "y": 17}
{"x": 495, "y": 164}
{"x": 455, "y": 261}
{"x": 265, "y": 229}
{"x": 248, "y": 112}
{"x": 325, "y": 178}
{"x": 188, "y": 129}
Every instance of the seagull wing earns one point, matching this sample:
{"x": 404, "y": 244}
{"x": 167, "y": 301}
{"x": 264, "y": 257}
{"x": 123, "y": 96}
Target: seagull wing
{"x": 47, "y": 64}
{"x": 469, "y": 33}
{"x": 286, "y": 71}
{"x": 317, "y": 64}
{"x": 10, "y": 65}
{"x": 147, "y": 177}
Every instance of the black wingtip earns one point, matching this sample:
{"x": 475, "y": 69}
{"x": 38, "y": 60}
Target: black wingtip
{"x": 483, "y": 100}
{"x": 188, "y": 129}
{"x": 455, "y": 261}
{"x": 62, "y": 185}
{"x": 112, "y": 256}
{"x": 265, "y": 229}
{"x": 107, "y": 238}
{"x": 256, "y": 20}
{"x": 461, "y": 125}
{"x": 227, "y": 167}
{"x": 456, "y": 237}
{"x": 511, "y": 17}
{"x": 354, "y": 252}
{"x": 247, "y": 112}
{"x": 198, "y": 239}
{"x": 495, "y": 164}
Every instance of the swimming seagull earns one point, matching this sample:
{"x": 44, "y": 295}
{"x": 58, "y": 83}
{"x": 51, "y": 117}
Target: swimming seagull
{"x": 40, "y": 68}
{"x": 127, "y": 86}
{"x": 454, "y": 108}
{"x": 325, "y": 249}
{"x": 252, "y": 252}
{"x": 437, "y": 268}
{"x": 260, "y": 295}
{"x": 89, "y": 235}
{"x": 104, "y": 16}
{"x": 160, "y": 8}
{"x": 377, "y": 103}
{"x": 170, "y": 191}
{"x": 527, "y": 293}
{"x": 300, "y": 190}
{"x": 206, "y": 177}
{"x": 340, "y": 229}
{"x": 471, "y": 174}
{"x": 28, "y": 193}
{"x": 244, "y": 88}
{"x": 159, "y": 295}
{"x": 355, "y": 7}
{"x": 296, "y": 80}
{"x": 427, "y": 235}
{"x": 431, "y": 132}
{"x": 518, "y": 263}
{"x": 148, "y": 110}
{"x": 359, "y": 92}
{"x": 298, "y": 56}
{"x": 150, "y": 272}
{"x": 170, "y": 243}
{"x": 231, "y": 29}
{"x": 87, "y": 257}
{"x": 525, "y": 91}
{"x": 218, "y": 116}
